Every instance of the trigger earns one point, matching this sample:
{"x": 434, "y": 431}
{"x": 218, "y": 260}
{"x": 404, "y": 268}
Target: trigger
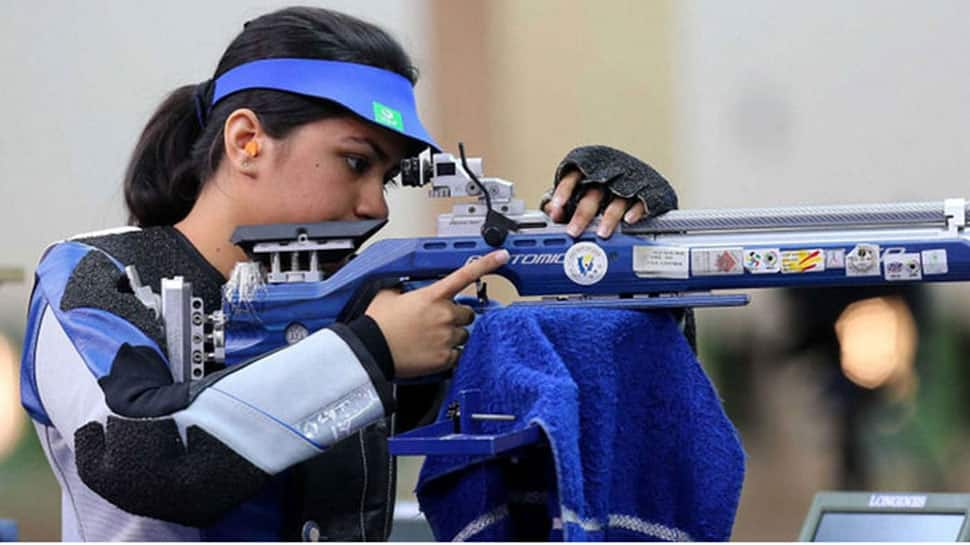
{"x": 481, "y": 292}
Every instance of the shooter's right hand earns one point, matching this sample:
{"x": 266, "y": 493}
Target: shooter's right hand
{"x": 424, "y": 328}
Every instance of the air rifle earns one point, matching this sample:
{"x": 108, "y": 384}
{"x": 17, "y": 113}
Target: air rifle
{"x": 681, "y": 259}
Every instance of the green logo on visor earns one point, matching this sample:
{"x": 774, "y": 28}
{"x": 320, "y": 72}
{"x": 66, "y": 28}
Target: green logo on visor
{"x": 388, "y": 116}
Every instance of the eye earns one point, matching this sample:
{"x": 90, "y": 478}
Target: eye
{"x": 358, "y": 164}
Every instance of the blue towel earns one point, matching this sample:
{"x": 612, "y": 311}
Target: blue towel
{"x": 640, "y": 446}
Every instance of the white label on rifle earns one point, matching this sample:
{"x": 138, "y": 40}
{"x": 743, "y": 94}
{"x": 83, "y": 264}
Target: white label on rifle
{"x": 934, "y": 262}
{"x": 803, "y": 261}
{"x": 862, "y": 260}
{"x": 835, "y": 258}
{"x": 661, "y": 262}
{"x": 762, "y": 260}
{"x": 585, "y": 263}
{"x": 901, "y": 266}
{"x": 716, "y": 261}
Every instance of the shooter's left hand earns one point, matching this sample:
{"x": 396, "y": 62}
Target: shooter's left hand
{"x": 599, "y": 179}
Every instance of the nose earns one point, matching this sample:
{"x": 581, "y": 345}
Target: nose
{"x": 371, "y": 203}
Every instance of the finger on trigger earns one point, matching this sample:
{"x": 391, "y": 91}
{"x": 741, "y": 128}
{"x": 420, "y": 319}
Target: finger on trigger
{"x": 611, "y": 217}
{"x": 585, "y": 211}
{"x": 451, "y": 285}
{"x": 635, "y": 213}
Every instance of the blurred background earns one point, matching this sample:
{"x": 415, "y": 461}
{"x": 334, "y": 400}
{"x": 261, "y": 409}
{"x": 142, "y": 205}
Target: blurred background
{"x": 747, "y": 103}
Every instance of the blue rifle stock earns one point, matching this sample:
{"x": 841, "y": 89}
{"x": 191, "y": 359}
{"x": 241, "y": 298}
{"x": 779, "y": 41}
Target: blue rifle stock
{"x": 259, "y": 325}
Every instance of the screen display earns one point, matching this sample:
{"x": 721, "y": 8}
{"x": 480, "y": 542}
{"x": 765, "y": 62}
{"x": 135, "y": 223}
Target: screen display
{"x": 843, "y": 526}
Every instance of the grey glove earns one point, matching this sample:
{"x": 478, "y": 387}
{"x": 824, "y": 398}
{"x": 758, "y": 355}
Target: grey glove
{"x": 623, "y": 174}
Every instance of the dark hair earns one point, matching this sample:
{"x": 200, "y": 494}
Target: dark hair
{"x": 176, "y": 154}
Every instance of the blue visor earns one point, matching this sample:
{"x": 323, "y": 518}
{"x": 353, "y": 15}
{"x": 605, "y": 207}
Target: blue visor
{"x": 375, "y": 94}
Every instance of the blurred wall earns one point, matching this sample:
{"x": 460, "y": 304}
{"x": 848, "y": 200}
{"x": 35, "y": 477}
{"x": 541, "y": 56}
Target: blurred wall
{"x": 822, "y": 102}
{"x": 567, "y": 74}
{"x": 522, "y": 83}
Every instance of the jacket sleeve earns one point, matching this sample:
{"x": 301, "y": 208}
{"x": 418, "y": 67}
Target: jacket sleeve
{"x": 181, "y": 452}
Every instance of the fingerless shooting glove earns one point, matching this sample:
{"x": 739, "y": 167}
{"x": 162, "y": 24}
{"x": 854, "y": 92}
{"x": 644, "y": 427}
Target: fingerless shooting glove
{"x": 621, "y": 173}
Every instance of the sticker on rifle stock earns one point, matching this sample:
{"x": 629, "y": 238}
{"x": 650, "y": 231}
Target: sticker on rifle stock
{"x": 803, "y": 261}
{"x": 585, "y": 263}
{"x": 762, "y": 260}
{"x": 835, "y": 258}
{"x": 661, "y": 262}
{"x": 934, "y": 262}
{"x": 862, "y": 260}
{"x": 716, "y": 261}
{"x": 902, "y": 266}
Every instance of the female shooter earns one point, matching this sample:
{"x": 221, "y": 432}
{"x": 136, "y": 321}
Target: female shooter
{"x": 305, "y": 120}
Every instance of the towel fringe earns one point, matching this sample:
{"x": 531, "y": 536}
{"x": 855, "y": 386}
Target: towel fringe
{"x": 481, "y": 523}
{"x": 623, "y": 522}
{"x": 652, "y": 529}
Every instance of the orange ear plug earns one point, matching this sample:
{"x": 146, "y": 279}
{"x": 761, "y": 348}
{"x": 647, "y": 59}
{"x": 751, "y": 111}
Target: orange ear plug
{"x": 252, "y": 148}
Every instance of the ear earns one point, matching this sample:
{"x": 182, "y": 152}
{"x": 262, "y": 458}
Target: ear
{"x": 244, "y": 139}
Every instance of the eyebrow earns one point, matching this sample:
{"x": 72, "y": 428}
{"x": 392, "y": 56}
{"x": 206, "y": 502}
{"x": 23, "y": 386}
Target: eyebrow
{"x": 381, "y": 154}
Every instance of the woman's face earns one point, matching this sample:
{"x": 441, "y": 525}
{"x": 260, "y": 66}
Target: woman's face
{"x": 328, "y": 170}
